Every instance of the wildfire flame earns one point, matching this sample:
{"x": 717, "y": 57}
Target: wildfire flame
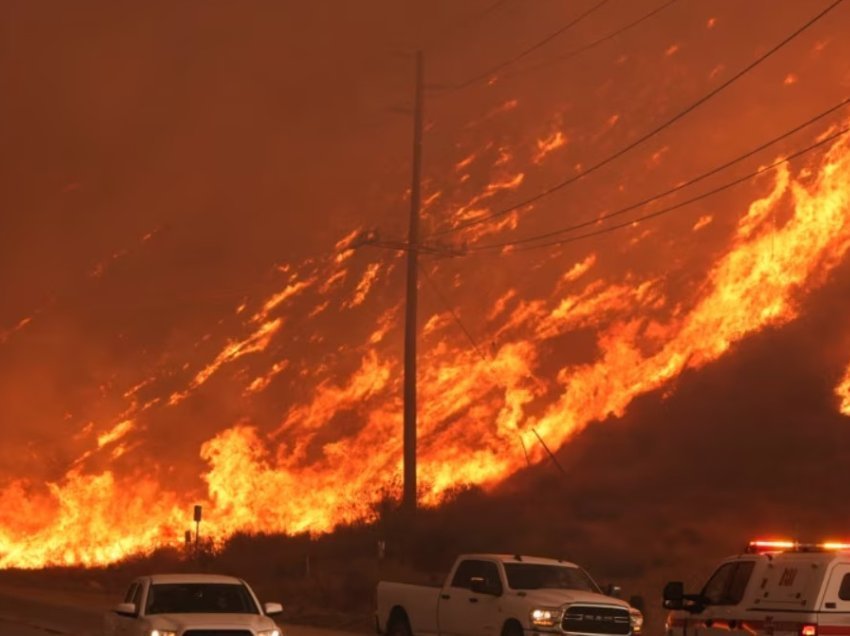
{"x": 332, "y": 449}
{"x": 757, "y": 282}
{"x": 843, "y": 393}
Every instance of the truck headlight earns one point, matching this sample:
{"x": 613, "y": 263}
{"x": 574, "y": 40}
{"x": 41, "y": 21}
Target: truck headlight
{"x": 163, "y": 632}
{"x": 636, "y": 620}
{"x": 269, "y": 632}
{"x": 546, "y": 617}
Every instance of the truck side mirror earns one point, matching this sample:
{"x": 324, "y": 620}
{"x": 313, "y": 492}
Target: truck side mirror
{"x": 674, "y": 595}
{"x": 480, "y": 586}
{"x": 125, "y": 609}
{"x": 272, "y": 609}
{"x": 612, "y": 590}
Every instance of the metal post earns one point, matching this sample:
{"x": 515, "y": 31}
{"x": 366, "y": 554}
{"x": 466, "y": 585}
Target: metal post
{"x": 197, "y": 516}
{"x": 410, "y": 307}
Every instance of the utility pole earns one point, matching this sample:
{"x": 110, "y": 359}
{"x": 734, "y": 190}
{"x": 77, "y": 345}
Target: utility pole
{"x": 409, "y": 499}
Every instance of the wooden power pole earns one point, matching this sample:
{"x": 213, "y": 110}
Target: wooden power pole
{"x": 410, "y": 330}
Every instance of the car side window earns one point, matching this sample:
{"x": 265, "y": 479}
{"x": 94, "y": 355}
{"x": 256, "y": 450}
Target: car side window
{"x": 128, "y": 597}
{"x": 844, "y": 590}
{"x": 490, "y": 573}
{"x": 740, "y": 579}
{"x": 137, "y": 596}
{"x": 728, "y": 584}
{"x": 469, "y": 569}
{"x": 464, "y": 573}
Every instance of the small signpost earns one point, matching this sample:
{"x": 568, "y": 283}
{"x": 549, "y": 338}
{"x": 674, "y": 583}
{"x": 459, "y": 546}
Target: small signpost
{"x": 198, "y": 513}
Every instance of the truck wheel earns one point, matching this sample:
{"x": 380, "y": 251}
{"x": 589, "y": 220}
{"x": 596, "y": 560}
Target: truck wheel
{"x": 399, "y": 627}
{"x": 512, "y": 628}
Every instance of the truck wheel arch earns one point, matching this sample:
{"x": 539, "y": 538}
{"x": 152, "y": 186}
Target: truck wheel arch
{"x": 398, "y": 624}
{"x": 512, "y": 627}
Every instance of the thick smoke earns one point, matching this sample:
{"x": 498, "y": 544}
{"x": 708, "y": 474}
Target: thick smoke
{"x": 179, "y": 182}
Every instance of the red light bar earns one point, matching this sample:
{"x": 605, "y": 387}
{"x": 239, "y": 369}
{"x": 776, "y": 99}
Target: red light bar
{"x": 767, "y": 546}
{"x": 808, "y": 630}
{"x": 761, "y": 546}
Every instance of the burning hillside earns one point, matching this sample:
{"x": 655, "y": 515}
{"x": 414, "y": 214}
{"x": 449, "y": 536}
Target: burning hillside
{"x": 595, "y": 226}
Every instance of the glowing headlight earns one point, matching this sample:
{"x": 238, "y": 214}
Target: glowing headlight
{"x": 163, "y": 632}
{"x": 636, "y": 620}
{"x": 269, "y": 632}
{"x": 546, "y": 616}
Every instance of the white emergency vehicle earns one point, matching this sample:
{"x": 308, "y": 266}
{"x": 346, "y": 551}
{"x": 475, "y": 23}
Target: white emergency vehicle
{"x": 775, "y": 588}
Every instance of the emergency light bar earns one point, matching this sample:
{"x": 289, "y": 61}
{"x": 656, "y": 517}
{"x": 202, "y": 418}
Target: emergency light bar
{"x": 762, "y": 546}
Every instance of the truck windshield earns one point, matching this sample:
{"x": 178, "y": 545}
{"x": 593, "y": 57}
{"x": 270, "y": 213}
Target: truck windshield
{"x": 200, "y": 598}
{"x": 534, "y": 576}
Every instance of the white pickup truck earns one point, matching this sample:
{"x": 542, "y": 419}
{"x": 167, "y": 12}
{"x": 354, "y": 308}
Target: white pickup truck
{"x": 505, "y": 595}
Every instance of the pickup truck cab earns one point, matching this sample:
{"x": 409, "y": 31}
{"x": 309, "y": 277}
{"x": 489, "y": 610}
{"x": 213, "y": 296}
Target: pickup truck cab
{"x": 504, "y": 595}
{"x": 774, "y": 588}
{"x": 191, "y": 605}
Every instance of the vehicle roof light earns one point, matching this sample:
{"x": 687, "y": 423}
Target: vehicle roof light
{"x": 834, "y": 545}
{"x": 762, "y": 546}
{"x": 768, "y": 546}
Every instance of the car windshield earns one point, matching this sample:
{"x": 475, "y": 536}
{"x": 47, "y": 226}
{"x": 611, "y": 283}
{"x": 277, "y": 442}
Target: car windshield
{"x": 534, "y": 576}
{"x": 200, "y": 598}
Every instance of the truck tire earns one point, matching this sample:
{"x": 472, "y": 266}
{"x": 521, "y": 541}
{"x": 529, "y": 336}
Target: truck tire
{"x": 398, "y": 625}
{"x": 512, "y": 628}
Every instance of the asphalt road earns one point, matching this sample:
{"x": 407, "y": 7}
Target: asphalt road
{"x": 19, "y": 629}
{"x": 21, "y": 616}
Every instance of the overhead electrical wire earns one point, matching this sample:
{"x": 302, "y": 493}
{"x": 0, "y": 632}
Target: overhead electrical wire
{"x": 455, "y": 316}
{"x": 700, "y": 197}
{"x": 524, "y": 53}
{"x": 465, "y": 24}
{"x": 488, "y": 366}
{"x": 592, "y": 44}
{"x": 651, "y": 199}
{"x": 646, "y": 136}
{"x": 487, "y": 11}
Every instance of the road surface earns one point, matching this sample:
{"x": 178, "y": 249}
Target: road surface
{"x": 19, "y": 629}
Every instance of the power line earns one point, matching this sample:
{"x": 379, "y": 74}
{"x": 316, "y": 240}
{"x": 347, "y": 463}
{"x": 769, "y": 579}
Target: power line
{"x": 486, "y": 12}
{"x": 668, "y": 192}
{"x": 480, "y": 353}
{"x": 466, "y": 23}
{"x": 700, "y": 197}
{"x": 549, "y": 453}
{"x": 525, "y": 52}
{"x": 652, "y": 133}
{"x": 594, "y": 43}
{"x": 454, "y": 315}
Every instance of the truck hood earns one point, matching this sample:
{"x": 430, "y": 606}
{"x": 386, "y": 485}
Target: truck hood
{"x": 557, "y": 598}
{"x": 178, "y": 622}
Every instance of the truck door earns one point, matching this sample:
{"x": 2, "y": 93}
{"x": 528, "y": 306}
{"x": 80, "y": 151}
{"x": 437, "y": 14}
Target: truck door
{"x": 463, "y": 612}
{"x": 724, "y": 610}
{"x": 835, "y": 604}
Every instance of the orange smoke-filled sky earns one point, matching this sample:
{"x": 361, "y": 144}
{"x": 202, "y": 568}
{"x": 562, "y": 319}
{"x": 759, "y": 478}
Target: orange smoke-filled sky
{"x": 184, "y": 319}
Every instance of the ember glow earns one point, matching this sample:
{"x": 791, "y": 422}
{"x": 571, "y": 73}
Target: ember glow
{"x": 843, "y": 393}
{"x": 246, "y": 354}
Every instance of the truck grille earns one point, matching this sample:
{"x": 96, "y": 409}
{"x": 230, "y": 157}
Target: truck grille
{"x": 218, "y": 632}
{"x": 596, "y": 620}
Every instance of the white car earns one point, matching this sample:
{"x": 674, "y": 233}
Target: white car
{"x": 191, "y": 605}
